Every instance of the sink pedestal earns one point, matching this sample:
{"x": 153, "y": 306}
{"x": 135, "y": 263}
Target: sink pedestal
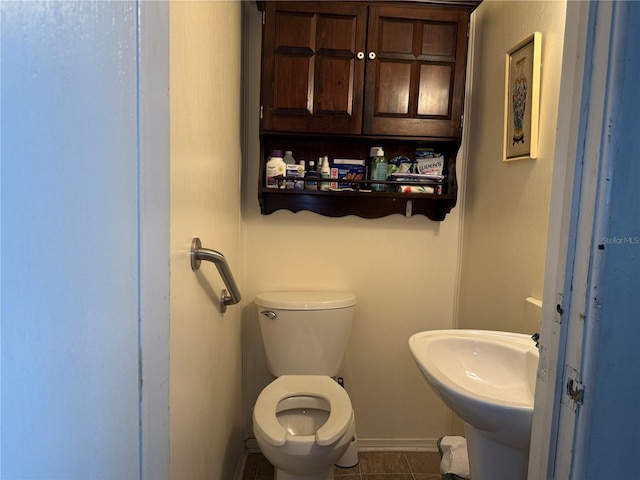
{"x": 492, "y": 460}
{"x": 488, "y": 379}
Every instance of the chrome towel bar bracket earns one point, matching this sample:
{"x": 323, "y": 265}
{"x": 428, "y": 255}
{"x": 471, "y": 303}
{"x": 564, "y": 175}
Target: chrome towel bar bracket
{"x": 198, "y": 254}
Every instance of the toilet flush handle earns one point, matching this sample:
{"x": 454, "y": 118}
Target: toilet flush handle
{"x": 270, "y": 314}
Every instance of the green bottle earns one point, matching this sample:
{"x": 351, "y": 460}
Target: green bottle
{"x": 379, "y": 171}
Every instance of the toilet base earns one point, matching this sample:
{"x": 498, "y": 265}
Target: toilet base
{"x": 282, "y": 475}
{"x": 350, "y": 457}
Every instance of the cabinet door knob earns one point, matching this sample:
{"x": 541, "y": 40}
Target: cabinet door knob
{"x": 360, "y": 55}
{"x": 372, "y": 55}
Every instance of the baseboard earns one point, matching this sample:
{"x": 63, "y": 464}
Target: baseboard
{"x": 397, "y": 444}
{"x": 364, "y": 445}
{"x": 377, "y": 444}
{"x": 242, "y": 463}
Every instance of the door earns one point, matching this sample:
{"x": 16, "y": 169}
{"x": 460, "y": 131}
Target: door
{"x": 415, "y": 76}
{"x": 598, "y": 415}
{"x": 74, "y": 190}
{"x": 313, "y": 67}
{"x": 585, "y": 423}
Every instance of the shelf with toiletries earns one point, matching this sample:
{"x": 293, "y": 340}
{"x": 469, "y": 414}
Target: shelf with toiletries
{"x": 353, "y": 195}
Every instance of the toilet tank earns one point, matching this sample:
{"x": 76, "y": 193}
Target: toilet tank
{"x": 305, "y": 333}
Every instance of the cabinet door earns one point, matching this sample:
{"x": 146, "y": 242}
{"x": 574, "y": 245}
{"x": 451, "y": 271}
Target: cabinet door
{"x": 312, "y": 79}
{"x": 416, "y": 63}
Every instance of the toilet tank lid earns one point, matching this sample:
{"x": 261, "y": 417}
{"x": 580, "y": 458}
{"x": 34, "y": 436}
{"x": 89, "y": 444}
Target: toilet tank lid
{"x": 309, "y": 300}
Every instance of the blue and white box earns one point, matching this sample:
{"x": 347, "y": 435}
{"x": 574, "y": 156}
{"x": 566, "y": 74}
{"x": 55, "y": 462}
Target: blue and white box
{"x": 347, "y": 169}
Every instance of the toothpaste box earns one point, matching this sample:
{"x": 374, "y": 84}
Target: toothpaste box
{"x": 348, "y": 169}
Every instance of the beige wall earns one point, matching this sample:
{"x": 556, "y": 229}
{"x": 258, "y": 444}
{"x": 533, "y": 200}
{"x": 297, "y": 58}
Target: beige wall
{"x": 507, "y": 204}
{"x": 405, "y": 271}
{"x": 402, "y": 271}
{"x": 205, "y": 351}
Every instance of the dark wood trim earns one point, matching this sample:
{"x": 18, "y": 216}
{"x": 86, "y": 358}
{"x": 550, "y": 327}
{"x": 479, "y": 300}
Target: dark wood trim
{"x": 470, "y": 4}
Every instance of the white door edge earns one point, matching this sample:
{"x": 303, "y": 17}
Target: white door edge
{"x": 154, "y": 211}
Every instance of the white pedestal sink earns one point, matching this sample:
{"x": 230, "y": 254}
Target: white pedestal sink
{"x": 488, "y": 379}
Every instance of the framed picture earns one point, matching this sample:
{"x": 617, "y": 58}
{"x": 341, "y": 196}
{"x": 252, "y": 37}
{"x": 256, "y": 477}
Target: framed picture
{"x": 522, "y": 99}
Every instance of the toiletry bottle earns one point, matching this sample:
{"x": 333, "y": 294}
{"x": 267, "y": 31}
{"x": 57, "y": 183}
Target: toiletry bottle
{"x": 325, "y": 174}
{"x": 276, "y": 169}
{"x": 379, "y": 171}
{"x": 372, "y": 154}
{"x": 311, "y": 176}
{"x": 288, "y": 157}
{"x": 299, "y": 184}
{"x": 288, "y": 160}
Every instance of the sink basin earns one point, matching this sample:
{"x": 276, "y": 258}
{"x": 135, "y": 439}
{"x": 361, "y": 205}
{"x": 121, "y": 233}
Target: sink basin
{"x": 488, "y": 379}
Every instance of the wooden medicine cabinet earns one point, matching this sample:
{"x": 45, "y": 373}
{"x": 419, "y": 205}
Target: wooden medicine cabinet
{"x": 341, "y": 77}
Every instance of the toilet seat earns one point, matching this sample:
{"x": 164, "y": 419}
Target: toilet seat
{"x": 340, "y": 411}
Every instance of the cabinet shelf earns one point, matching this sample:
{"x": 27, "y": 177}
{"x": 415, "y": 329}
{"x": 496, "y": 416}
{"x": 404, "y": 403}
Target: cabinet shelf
{"x": 362, "y": 204}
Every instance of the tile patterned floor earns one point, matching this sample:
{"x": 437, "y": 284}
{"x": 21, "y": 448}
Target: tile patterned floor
{"x": 371, "y": 466}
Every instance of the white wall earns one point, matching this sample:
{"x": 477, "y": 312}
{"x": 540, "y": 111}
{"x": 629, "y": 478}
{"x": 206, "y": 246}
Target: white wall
{"x": 507, "y": 204}
{"x": 205, "y": 371}
{"x": 402, "y": 271}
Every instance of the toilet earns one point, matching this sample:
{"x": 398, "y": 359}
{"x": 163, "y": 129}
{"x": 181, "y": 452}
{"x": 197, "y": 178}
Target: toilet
{"x": 303, "y": 421}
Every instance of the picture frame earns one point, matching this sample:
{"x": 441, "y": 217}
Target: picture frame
{"x": 522, "y": 99}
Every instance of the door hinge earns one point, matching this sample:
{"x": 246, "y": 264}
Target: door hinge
{"x": 261, "y": 110}
{"x": 461, "y": 122}
{"x": 264, "y": 16}
{"x": 574, "y": 389}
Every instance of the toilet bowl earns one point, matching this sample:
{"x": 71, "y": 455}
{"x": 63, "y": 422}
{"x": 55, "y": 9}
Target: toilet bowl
{"x": 303, "y": 424}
